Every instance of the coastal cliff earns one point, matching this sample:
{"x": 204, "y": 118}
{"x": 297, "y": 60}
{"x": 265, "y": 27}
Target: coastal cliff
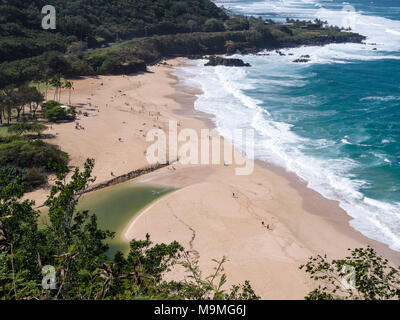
{"x": 151, "y": 50}
{"x": 134, "y": 56}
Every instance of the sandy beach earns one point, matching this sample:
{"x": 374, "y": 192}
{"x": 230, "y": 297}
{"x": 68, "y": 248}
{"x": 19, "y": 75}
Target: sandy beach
{"x": 214, "y": 213}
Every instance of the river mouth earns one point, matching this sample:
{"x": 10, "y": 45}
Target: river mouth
{"x": 117, "y": 206}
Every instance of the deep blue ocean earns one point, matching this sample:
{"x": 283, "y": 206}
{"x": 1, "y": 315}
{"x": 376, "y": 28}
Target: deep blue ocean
{"x": 334, "y": 121}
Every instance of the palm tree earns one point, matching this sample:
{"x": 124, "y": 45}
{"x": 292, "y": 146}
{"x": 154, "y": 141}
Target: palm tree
{"x": 69, "y": 86}
{"x": 56, "y": 83}
{"x": 61, "y": 86}
{"x": 46, "y": 86}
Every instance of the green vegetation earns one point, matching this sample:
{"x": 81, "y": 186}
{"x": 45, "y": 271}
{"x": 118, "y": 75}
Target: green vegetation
{"x": 50, "y": 104}
{"x": 53, "y": 111}
{"x": 363, "y": 275}
{"x": 56, "y": 114}
{"x": 29, "y": 160}
{"x": 30, "y": 53}
{"x": 24, "y": 156}
{"x": 17, "y": 101}
{"x": 106, "y": 21}
{"x": 74, "y": 245}
{"x": 26, "y": 153}
{"x": 24, "y": 127}
{"x": 134, "y": 55}
{"x": 76, "y": 248}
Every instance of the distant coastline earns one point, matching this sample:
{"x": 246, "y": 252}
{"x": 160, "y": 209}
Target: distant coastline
{"x": 136, "y": 55}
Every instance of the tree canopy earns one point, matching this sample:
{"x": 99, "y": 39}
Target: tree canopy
{"x": 362, "y": 275}
{"x": 95, "y": 22}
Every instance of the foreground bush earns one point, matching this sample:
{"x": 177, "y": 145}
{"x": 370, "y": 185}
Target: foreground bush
{"x": 361, "y": 275}
{"x": 72, "y": 243}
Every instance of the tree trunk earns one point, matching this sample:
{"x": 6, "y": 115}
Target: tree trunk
{"x": 18, "y": 113}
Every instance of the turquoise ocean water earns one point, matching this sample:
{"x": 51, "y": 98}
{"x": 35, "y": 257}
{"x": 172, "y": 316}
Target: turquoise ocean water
{"x": 334, "y": 121}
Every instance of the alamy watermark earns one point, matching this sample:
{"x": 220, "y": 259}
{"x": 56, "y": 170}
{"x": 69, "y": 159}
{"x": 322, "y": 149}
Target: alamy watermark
{"x": 187, "y": 148}
{"x": 49, "y": 278}
{"x": 348, "y": 280}
{"x": 49, "y": 20}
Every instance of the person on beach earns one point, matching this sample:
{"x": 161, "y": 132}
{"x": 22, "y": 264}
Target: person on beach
{"x": 263, "y": 224}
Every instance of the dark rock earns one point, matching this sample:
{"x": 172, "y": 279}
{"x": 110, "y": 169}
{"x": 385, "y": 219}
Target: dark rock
{"x": 219, "y": 61}
{"x": 252, "y": 50}
{"x": 323, "y": 40}
{"x": 301, "y": 60}
{"x": 306, "y": 56}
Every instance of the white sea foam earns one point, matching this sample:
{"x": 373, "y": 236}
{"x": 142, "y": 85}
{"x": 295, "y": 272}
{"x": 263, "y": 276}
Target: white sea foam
{"x": 385, "y": 99}
{"x": 224, "y": 97}
{"x": 345, "y": 141}
{"x": 382, "y": 33}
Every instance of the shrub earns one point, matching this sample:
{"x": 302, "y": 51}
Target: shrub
{"x": 34, "y": 178}
{"x": 20, "y": 128}
{"x": 50, "y": 104}
{"x": 56, "y": 114}
{"x": 24, "y": 153}
{"x": 72, "y": 111}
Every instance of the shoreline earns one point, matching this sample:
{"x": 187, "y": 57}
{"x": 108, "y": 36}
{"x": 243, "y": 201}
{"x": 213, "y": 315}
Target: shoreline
{"x": 314, "y": 202}
{"x": 203, "y": 215}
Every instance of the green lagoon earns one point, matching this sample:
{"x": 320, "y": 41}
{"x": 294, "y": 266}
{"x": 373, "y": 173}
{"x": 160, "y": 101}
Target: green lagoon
{"x": 117, "y": 205}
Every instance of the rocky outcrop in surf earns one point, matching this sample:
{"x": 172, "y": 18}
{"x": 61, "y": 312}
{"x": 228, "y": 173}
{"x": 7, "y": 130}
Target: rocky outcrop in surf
{"x": 303, "y": 59}
{"x": 219, "y": 61}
